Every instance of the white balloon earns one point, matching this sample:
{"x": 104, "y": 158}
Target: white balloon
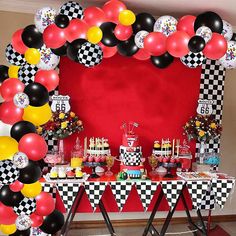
{"x": 166, "y": 25}
{"x": 21, "y": 100}
{"x": 44, "y": 17}
{"x": 229, "y": 59}
{"x": 48, "y": 60}
{"x": 20, "y": 160}
{"x": 23, "y": 222}
{"x": 5, "y": 129}
{"x": 205, "y": 32}
{"x": 139, "y": 38}
{"x": 227, "y": 31}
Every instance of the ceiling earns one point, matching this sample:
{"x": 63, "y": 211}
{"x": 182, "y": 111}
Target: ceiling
{"x": 225, "y": 8}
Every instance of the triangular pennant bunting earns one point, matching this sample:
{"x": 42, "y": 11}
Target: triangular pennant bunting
{"x": 222, "y": 189}
{"x": 121, "y": 192}
{"x": 49, "y": 188}
{"x": 172, "y": 190}
{"x": 208, "y": 201}
{"x": 94, "y": 192}
{"x": 68, "y": 192}
{"x": 197, "y": 191}
{"x": 146, "y": 190}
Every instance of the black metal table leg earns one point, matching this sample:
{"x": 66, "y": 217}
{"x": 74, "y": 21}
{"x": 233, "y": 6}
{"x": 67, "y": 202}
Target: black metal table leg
{"x": 106, "y": 218}
{"x": 202, "y": 222}
{"x": 153, "y": 231}
{"x": 150, "y": 220}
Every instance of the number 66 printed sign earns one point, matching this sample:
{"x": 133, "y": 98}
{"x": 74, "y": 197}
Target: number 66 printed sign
{"x": 60, "y": 103}
{"x": 204, "y": 107}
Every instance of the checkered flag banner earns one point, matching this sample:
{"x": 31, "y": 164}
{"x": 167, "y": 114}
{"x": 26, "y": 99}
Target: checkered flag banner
{"x": 146, "y": 190}
{"x": 94, "y": 191}
{"x": 68, "y": 192}
{"x": 208, "y": 201}
{"x": 222, "y": 189}
{"x": 49, "y": 188}
{"x": 197, "y": 191}
{"x": 72, "y": 9}
{"x": 172, "y": 190}
{"x": 121, "y": 192}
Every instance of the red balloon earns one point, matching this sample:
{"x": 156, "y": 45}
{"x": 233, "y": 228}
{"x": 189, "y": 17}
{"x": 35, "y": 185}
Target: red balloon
{"x": 16, "y": 186}
{"x": 17, "y": 42}
{"x": 76, "y": 29}
{"x": 177, "y": 44}
{"x": 112, "y": 10}
{"x": 9, "y": 113}
{"x": 216, "y": 47}
{"x": 94, "y": 16}
{"x": 155, "y": 43}
{"x": 34, "y": 146}
{"x": 48, "y": 78}
{"x": 142, "y": 54}
{"x": 54, "y": 37}
{"x": 36, "y": 220}
{"x": 44, "y": 204}
{"x": 123, "y": 32}
{"x": 10, "y": 87}
{"x": 7, "y": 215}
{"x": 186, "y": 24}
{"x": 108, "y": 51}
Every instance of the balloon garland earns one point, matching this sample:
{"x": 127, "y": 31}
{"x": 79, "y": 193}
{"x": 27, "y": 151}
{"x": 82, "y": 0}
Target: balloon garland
{"x": 85, "y": 36}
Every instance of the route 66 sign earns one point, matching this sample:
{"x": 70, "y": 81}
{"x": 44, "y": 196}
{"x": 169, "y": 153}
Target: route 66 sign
{"x": 204, "y": 107}
{"x": 60, "y": 103}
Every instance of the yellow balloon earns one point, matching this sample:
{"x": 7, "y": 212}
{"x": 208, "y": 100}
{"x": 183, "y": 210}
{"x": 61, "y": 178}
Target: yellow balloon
{"x": 32, "y": 56}
{"x": 8, "y": 147}
{"x": 127, "y": 17}
{"x": 94, "y": 34}
{"x": 8, "y": 229}
{"x": 37, "y": 115}
{"x": 13, "y": 71}
{"x": 32, "y": 190}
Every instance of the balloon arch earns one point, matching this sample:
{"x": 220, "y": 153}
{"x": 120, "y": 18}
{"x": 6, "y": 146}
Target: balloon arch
{"x": 85, "y": 36}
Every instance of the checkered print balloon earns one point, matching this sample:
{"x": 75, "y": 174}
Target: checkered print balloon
{"x": 193, "y": 60}
{"x": 14, "y": 57}
{"x": 26, "y": 207}
{"x": 9, "y": 173}
{"x": 72, "y": 9}
{"x": 90, "y": 54}
{"x": 26, "y": 73}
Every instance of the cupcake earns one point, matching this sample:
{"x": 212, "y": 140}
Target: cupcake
{"x": 70, "y": 174}
{"x": 62, "y": 173}
{"x": 78, "y": 173}
{"x": 53, "y": 173}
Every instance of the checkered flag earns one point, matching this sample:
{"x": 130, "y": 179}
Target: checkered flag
{"x": 132, "y": 158}
{"x": 9, "y": 173}
{"x": 222, "y": 189}
{"x": 146, "y": 190}
{"x": 90, "y": 54}
{"x": 172, "y": 190}
{"x": 94, "y": 192}
{"x": 197, "y": 191}
{"x": 121, "y": 192}
{"x": 68, "y": 192}
{"x": 208, "y": 201}
{"x": 26, "y": 207}
{"x": 193, "y": 60}
{"x": 26, "y": 73}
{"x": 72, "y": 9}
{"x": 49, "y": 188}
{"x": 14, "y": 57}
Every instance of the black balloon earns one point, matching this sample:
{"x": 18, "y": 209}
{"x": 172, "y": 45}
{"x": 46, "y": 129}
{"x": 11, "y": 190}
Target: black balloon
{"x": 20, "y": 128}
{"x": 196, "y": 44}
{"x": 10, "y": 198}
{"x": 73, "y": 48}
{"x": 31, "y": 37}
{"x": 144, "y": 21}
{"x": 37, "y": 93}
{"x": 162, "y": 61}
{"x": 30, "y": 174}
{"x": 3, "y": 73}
{"x": 108, "y": 39}
{"x": 53, "y": 222}
{"x": 21, "y": 233}
{"x": 233, "y": 37}
{"x": 61, "y": 51}
{"x": 127, "y": 48}
{"x": 211, "y": 20}
{"x": 62, "y": 21}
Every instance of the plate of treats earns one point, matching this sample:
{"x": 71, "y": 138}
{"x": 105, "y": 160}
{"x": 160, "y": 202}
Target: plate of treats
{"x": 196, "y": 175}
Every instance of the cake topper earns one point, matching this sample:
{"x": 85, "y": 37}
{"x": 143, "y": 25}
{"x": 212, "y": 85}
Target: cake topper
{"x": 130, "y": 128}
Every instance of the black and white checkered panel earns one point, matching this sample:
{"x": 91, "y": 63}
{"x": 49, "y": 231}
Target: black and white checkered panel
{"x": 9, "y": 173}
{"x": 222, "y": 189}
{"x": 26, "y": 207}
{"x": 172, "y": 190}
{"x": 212, "y": 88}
{"x": 26, "y": 73}
{"x": 94, "y": 191}
{"x": 197, "y": 191}
{"x": 208, "y": 201}
{"x": 72, "y": 9}
{"x": 14, "y": 57}
{"x": 121, "y": 192}
{"x": 49, "y": 188}
{"x": 193, "y": 60}
{"x": 90, "y": 54}
{"x": 68, "y": 192}
{"x": 132, "y": 158}
{"x": 146, "y": 190}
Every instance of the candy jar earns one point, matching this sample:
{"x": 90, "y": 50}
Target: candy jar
{"x": 77, "y": 155}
